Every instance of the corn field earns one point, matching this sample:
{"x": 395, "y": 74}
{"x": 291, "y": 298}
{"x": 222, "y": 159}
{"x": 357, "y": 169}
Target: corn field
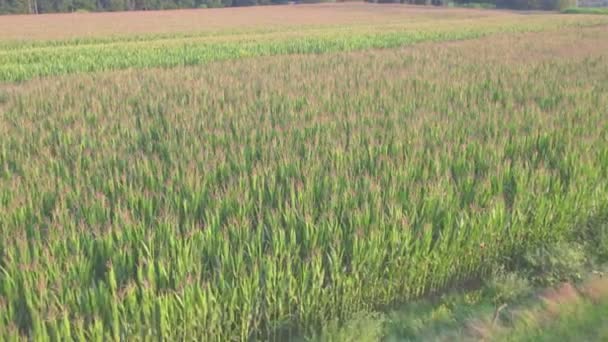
{"x": 21, "y": 61}
{"x": 258, "y": 198}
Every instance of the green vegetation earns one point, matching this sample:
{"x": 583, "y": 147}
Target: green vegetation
{"x": 262, "y": 198}
{"x": 586, "y": 10}
{"x": 54, "y": 6}
{"x": 504, "y": 307}
{"x": 584, "y": 321}
{"x": 485, "y": 5}
{"x": 546, "y": 5}
{"x": 23, "y": 61}
{"x": 444, "y": 318}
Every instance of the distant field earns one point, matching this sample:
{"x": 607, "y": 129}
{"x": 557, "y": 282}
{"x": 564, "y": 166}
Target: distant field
{"x": 215, "y": 35}
{"x": 217, "y": 182}
{"x": 78, "y": 25}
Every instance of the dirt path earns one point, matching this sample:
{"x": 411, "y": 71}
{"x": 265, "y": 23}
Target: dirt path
{"x": 567, "y": 312}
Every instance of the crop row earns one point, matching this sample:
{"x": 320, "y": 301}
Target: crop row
{"x": 263, "y": 198}
{"x": 30, "y": 60}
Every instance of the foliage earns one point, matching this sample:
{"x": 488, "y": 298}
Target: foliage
{"x": 486, "y": 5}
{"x": 54, "y": 6}
{"x": 261, "y": 198}
{"x": 549, "y": 5}
{"x": 363, "y": 327}
{"x": 22, "y": 61}
{"x": 585, "y": 10}
{"x": 567, "y": 319}
{"x": 593, "y": 234}
{"x": 530, "y": 4}
{"x": 506, "y": 287}
{"x": 553, "y": 264}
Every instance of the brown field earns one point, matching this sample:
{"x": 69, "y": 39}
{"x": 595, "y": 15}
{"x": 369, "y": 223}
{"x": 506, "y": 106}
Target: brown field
{"x": 70, "y": 25}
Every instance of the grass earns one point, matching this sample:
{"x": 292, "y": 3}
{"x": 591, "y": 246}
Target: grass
{"x": 21, "y": 61}
{"x": 565, "y": 314}
{"x": 260, "y": 198}
{"x": 519, "y": 305}
{"x": 582, "y": 321}
{"x": 453, "y": 316}
{"x": 586, "y": 10}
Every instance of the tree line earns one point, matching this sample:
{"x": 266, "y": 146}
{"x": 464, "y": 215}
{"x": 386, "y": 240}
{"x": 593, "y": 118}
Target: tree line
{"x": 56, "y": 6}
{"x": 508, "y": 4}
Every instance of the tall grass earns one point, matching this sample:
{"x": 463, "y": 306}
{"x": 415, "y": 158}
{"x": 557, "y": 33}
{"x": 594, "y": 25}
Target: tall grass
{"x": 27, "y": 60}
{"x": 260, "y": 198}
